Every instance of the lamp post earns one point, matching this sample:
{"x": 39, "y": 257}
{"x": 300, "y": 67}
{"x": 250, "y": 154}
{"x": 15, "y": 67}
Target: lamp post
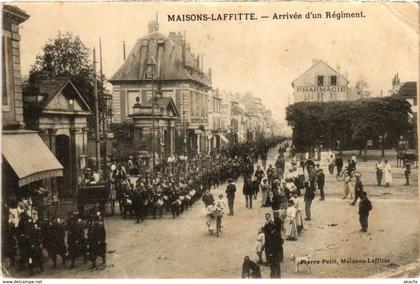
{"x": 151, "y": 64}
{"x": 382, "y": 138}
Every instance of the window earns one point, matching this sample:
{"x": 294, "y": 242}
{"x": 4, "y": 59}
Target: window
{"x": 146, "y": 97}
{"x": 320, "y": 80}
{"x": 334, "y": 80}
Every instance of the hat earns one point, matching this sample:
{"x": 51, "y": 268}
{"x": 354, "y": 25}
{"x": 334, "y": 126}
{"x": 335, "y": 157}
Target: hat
{"x": 276, "y": 181}
{"x": 357, "y": 174}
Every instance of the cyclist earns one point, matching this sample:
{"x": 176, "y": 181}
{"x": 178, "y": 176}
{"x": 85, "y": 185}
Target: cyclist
{"x": 215, "y": 211}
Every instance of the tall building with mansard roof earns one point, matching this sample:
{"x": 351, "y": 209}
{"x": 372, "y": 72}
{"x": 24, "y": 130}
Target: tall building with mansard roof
{"x": 177, "y": 74}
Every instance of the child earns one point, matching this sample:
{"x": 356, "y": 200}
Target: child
{"x": 260, "y": 245}
{"x": 220, "y": 203}
{"x": 364, "y": 208}
{"x": 407, "y": 173}
{"x": 290, "y": 222}
{"x": 299, "y": 207}
{"x": 347, "y": 185}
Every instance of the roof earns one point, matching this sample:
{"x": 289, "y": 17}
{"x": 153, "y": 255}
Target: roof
{"x": 29, "y": 157}
{"x": 166, "y": 102}
{"x": 15, "y": 12}
{"x": 169, "y": 58}
{"x": 315, "y": 64}
{"x": 408, "y": 89}
{"x": 51, "y": 87}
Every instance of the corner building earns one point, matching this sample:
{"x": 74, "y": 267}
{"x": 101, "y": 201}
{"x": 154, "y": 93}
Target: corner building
{"x": 321, "y": 83}
{"x": 177, "y": 74}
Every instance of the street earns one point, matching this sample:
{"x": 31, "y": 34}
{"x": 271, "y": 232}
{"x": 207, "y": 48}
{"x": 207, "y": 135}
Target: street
{"x": 183, "y": 248}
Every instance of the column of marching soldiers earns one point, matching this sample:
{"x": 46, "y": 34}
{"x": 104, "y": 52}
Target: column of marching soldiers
{"x": 27, "y": 238}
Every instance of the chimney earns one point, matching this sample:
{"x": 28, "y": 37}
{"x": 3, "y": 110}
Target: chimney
{"x": 202, "y": 62}
{"x": 198, "y": 62}
{"x": 153, "y": 26}
{"x": 209, "y": 74}
{"x": 314, "y": 61}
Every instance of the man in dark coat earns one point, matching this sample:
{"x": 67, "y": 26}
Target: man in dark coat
{"x": 208, "y": 198}
{"x": 259, "y": 173}
{"x": 308, "y": 197}
{"x": 280, "y": 164}
{"x": 139, "y": 199}
{"x": 75, "y": 238}
{"x": 256, "y": 187}
{"x": 339, "y": 164}
{"x": 35, "y": 249}
{"x": 248, "y": 192}
{"x": 276, "y": 200}
{"x": 58, "y": 232}
{"x": 268, "y": 229}
{"x": 230, "y": 194}
{"x": 358, "y": 188}
{"x": 364, "y": 208}
{"x": 320, "y": 180}
{"x": 97, "y": 240}
{"x": 250, "y": 269}
{"x": 273, "y": 246}
{"x": 278, "y": 222}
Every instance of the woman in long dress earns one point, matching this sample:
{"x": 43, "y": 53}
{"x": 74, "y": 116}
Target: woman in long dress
{"x": 290, "y": 222}
{"x": 211, "y": 220}
{"x": 299, "y": 207}
{"x": 260, "y": 244}
{"x": 387, "y": 173}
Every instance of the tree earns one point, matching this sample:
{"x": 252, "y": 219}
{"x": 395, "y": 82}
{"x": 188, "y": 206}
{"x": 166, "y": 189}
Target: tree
{"x": 65, "y": 55}
{"x": 351, "y": 122}
{"x": 361, "y": 87}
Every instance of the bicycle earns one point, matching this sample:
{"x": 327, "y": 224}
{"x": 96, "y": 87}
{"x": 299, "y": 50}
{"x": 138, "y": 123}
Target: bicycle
{"x": 340, "y": 176}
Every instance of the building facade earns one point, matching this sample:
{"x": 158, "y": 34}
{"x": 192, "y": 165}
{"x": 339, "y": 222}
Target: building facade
{"x": 164, "y": 66}
{"x": 57, "y": 110}
{"x": 321, "y": 83}
{"x": 26, "y": 160}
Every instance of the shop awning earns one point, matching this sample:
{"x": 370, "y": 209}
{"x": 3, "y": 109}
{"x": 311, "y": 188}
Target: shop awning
{"x": 29, "y": 157}
{"x": 223, "y": 137}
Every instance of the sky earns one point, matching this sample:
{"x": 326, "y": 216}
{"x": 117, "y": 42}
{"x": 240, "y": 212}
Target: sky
{"x": 262, "y": 56}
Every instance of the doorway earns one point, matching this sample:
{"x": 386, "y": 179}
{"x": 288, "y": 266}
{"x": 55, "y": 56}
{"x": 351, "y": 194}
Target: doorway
{"x": 64, "y": 156}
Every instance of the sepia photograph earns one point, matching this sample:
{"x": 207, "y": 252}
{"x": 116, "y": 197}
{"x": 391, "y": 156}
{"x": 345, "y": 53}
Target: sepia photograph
{"x": 209, "y": 140}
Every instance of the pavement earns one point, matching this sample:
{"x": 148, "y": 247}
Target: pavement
{"x": 183, "y": 248}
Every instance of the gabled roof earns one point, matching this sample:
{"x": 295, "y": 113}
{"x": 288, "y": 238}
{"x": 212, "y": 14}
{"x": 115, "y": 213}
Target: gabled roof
{"x": 169, "y": 58}
{"x": 50, "y": 88}
{"x": 318, "y": 63}
{"x": 166, "y": 102}
{"x": 408, "y": 89}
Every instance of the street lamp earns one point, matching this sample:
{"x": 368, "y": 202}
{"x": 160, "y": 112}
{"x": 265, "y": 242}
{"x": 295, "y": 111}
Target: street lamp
{"x": 382, "y": 138}
{"x": 150, "y": 73}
